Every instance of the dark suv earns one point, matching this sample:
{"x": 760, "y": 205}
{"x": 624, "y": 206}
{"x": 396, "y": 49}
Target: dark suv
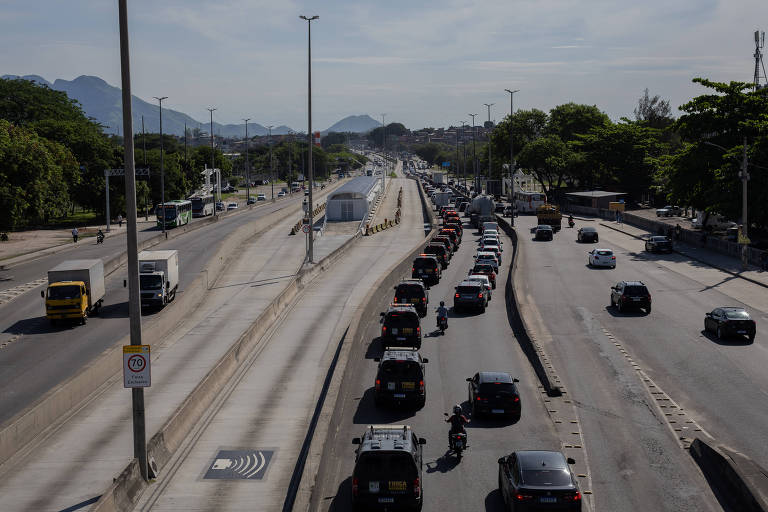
{"x": 440, "y": 251}
{"x": 388, "y": 469}
{"x": 470, "y": 295}
{"x": 494, "y": 393}
{"x": 400, "y": 377}
{"x": 446, "y": 241}
{"x": 631, "y": 294}
{"x": 658, "y": 244}
{"x": 400, "y": 327}
{"x": 412, "y": 291}
{"x": 427, "y": 268}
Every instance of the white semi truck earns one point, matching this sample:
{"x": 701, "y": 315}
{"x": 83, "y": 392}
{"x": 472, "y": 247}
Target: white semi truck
{"x": 158, "y": 277}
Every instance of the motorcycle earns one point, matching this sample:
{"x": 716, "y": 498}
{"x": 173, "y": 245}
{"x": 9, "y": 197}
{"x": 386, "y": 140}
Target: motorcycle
{"x": 442, "y": 323}
{"x": 457, "y": 442}
{"x": 100, "y": 238}
{"x": 570, "y": 223}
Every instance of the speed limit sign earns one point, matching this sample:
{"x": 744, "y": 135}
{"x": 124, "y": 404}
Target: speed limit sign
{"x": 305, "y": 228}
{"x": 136, "y": 372}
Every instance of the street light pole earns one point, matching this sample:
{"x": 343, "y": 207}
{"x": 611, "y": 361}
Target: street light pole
{"x": 247, "y": 166}
{"x": 464, "y": 147}
{"x": 383, "y": 150}
{"x": 474, "y": 154}
{"x": 489, "y": 105}
{"x": 162, "y": 168}
{"x": 512, "y": 151}
{"x": 271, "y": 167}
{"x": 213, "y": 165}
{"x": 309, "y": 135}
{"x": 134, "y": 297}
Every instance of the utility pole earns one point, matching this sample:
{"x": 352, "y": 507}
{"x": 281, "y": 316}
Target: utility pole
{"x": 247, "y": 166}
{"x": 162, "y": 169}
{"x": 383, "y": 150}
{"x": 213, "y": 165}
{"x": 489, "y": 105}
{"x": 310, "y": 241}
{"x": 512, "y": 151}
{"x": 457, "y": 154}
{"x": 474, "y": 155}
{"x": 144, "y": 150}
{"x": 134, "y": 297}
{"x": 464, "y": 160}
{"x": 271, "y": 169}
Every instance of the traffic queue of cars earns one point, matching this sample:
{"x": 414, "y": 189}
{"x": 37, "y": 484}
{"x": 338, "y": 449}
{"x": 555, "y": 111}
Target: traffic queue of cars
{"x": 388, "y": 472}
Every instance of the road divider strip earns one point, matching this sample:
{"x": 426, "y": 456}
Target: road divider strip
{"x": 125, "y": 491}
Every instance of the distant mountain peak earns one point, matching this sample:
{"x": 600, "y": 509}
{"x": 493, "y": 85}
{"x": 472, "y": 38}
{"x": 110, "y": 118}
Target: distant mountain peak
{"x": 356, "y": 124}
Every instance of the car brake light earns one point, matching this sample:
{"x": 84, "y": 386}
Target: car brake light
{"x": 572, "y": 497}
{"x": 517, "y": 399}
{"x": 354, "y": 486}
{"x": 378, "y": 384}
{"x": 423, "y": 299}
{"x": 456, "y": 296}
{"x": 613, "y": 257}
{"x": 523, "y": 497}
{"x": 413, "y": 269}
{"x": 417, "y": 488}
{"x": 395, "y": 299}
{"x": 481, "y": 399}
{"x": 384, "y": 328}
{"x": 421, "y": 386}
{"x": 418, "y": 330}
{"x": 479, "y": 295}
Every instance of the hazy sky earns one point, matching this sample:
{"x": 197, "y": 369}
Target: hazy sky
{"x": 423, "y": 62}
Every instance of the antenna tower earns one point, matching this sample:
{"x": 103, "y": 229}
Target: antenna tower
{"x": 759, "y": 43}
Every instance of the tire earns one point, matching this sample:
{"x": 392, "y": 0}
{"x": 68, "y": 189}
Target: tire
{"x": 482, "y": 309}
{"x": 619, "y": 307}
{"x": 752, "y": 338}
{"x": 719, "y": 333}
{"x": 612, "y": 304}
{"x": 84, "y": 320}
{"x": 648, "y": 310}
{"x": 596, "y": 240}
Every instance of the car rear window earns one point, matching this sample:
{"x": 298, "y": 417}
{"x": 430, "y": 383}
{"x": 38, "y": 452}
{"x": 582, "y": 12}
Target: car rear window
{"x": 424, "y": 263}
{"x": 468, "y": 289}
{"x": 605, "y": 253}
{"x": 736, "y": 314}
{"x": 497, "y": 388}
{"x": 482, "y": 268}
{"x": 636, "y": 290}
{"x": 410, "y": 290}
{"x": 402, "y": 320}
{"x": 406, "y": 369}
{"x": 546, "y": 477}
{"x": 386, "y": 466}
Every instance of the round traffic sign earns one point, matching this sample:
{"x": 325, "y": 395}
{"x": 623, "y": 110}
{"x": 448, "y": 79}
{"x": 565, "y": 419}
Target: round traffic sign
{"x": 305, "y": 228}
{"x": 136, "y": 363}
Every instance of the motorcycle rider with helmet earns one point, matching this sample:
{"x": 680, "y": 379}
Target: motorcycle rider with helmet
{"x": 457, "y": 421}
{"x": 442, "y": 312}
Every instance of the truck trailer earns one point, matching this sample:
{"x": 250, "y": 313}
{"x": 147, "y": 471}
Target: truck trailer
{"x": 481, "y": 209}
{"x": 158, "y": 277}
{"x": 75, "y": 290}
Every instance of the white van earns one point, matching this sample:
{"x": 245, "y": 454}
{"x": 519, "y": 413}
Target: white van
{"x": 714, "y": 221}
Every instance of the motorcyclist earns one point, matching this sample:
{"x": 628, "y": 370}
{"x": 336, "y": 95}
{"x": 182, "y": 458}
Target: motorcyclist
{"x": 100, "y": 235}
{"x": 457, "y": 421}
{"x": 570, "y": 220}
{"x": 442, "y": 312}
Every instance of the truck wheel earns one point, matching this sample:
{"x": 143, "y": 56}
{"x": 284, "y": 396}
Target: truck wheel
{"x": 84, "y": 320}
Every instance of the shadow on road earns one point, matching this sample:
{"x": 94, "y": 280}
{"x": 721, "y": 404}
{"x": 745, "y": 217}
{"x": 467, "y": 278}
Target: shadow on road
{"x": 343, "y": 499}
{"x": 730, "y": 341}
{"x": 614, "y": 311}
{"x": 368, "y": 413}
{"x": 494, "y": 502}
{"x": 444, "y": 463}
{"x": 38, "y": 325}
{"x": 374, "y": 349}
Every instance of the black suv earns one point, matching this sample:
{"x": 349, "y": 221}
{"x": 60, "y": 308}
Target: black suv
{"x": 631, "y": 294}
{"x": 494, "y": 393}
{"x": 658, "y": 244}
{"x": 413, "y": 291}
{"x": 470, "y": 294}
{"x": 446, "y": 241}
{"x": 544, "y": 232}
{"x": 388, "y": 469}
{"x": 440, "y": 251}
{"x": 400, "y": 377}
{"x": 400, "y": 327}
{"x": 427, "y": 268}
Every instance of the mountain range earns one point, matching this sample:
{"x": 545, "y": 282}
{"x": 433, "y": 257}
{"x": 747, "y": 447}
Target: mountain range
{"x": 103, "y": 103}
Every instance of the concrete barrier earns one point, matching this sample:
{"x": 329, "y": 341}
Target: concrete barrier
{"x": 18, "y": 434}
{"x": 736, "y": 479}
{"x": 122, "y": 494}
{"x": 519, "y": 325}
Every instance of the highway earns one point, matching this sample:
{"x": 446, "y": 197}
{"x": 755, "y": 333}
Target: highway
{"x": 39, "y": 356}
{"x": 627, "y": 459}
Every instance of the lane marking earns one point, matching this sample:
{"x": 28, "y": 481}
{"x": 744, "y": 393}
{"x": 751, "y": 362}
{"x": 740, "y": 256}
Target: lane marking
{"x": 9, "y": 294}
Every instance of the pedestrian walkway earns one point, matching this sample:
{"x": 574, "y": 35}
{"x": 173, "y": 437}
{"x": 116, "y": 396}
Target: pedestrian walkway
{"x": 728, "y": 264}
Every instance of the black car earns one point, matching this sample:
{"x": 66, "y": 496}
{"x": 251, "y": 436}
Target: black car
{"x": 400, "y": 327}
{"x": 730, "y": 321}
{"x": 587, "y": 234}
{"x": 470, "y": 295}
{"x": 445, "y": 239}
{"x": 388, "y": 469}
{"x": 544, "y": 232}
{"x": 538, "y": 480}
{"x": 495, "y": 394}
{"x": 630, "y": 294}
{"x": 453, "y": 235}
{"x": 440, "y": 251}
{"x": 413, "y": 292}
{"x": 400, "y": 377}
{"x": 658, "y": 244}
{"x": 427, "y": 268}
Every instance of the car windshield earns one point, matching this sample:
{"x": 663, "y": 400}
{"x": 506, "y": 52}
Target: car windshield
{"x": 547, "y": 477}
{"x": 497, "y": 388}
{"x": 64, "y": 292}
{"x": 407, "y": 369}
{"x": 588, "y": 230}
{"x": 402, "y": 320}
{"x": 150, "y": 282}
{"x": 544, "y": 228}
{"x": 386, "y": 466}
{"x": 736, "y": 314}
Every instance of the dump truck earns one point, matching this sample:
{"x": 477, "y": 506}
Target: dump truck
{"x": 550, "y": 214}
{"x": 75, "y": 290}
{"x": 481, "y": 209}
{"x": 158, "y": 277}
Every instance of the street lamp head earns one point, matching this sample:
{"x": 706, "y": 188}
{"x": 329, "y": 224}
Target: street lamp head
{"x": 512, "y": 92}
{"x": 310, "y": 18}
{"x": 160, "y": 98}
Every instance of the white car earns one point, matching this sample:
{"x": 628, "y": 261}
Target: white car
{"x": 280, "y": 194}
{"x": 492, "y": 248}
{"x": 601, "y": 258}
{"x": 262, "y": 197}
{"x": 491, "y": 232}
{"x": 492, "y": 239}
{"x": 486, "y": 283}
{"x": 231, "y": 206}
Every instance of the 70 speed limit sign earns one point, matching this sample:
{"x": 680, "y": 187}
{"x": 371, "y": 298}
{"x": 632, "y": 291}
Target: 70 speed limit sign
{"x": 136, "y": 372}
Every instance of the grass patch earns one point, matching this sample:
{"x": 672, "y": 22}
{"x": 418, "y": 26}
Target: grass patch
{"x": 80, "y": 218}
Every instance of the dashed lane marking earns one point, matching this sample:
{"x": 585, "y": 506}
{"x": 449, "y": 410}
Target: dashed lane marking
{"x": 8, "y": 295}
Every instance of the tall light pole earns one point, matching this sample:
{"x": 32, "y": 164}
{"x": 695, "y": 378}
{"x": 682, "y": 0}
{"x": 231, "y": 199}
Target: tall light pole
{"x": 309, "y": 134}
{"x": 134, "y": 297}
{"x": 489, "y": 105}
{"x": 512, "y": 151}
{"x": 247, "y": 165}
{"x": 213, "y": 164}
{"x": 271, "y": 167}
{"x": 383, "y": 149}
{"x": 464, "y": 146}
{"x": 474, "y": 154}
{"x": 162, "y": 169}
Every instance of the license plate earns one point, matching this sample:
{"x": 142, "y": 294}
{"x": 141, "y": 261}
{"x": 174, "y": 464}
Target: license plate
{"x": 741, "y": 332}
{"x": 636, "y": 299}
{"x": 399, "y": 395}
{"x": 414, "y": 301}
{"x": 497, "y": 411}
{"x": 394, "y": 330}
{"x": 386, "y": 500}
{"x": 401, "y": 338}
{"x": 408, "y": 330}
{"x": 420, "y": 271}
{"x": 397, "y": 485}
{"x": 459, "y": 443}
{"x": 373, "y": 486}
{"x": 548, "y": 499}
{"x": 467, "y": 296}
{"x": 408, "y": 385}
{"x": 428, "y": 271}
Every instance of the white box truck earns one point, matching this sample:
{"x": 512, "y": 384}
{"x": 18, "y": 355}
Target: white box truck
{"x": 158, "y": 277}
{"x": 75, "y": 290}
{"x": 438, "y": 178}
{"x": 442, "y": 199}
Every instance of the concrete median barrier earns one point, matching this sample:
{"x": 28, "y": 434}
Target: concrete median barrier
{"x": 739, "y": 483}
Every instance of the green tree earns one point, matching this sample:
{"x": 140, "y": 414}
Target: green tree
{"x": 571, "y": 119}
{"x": 548, "y": 159}
{"x": 653, "y": 112}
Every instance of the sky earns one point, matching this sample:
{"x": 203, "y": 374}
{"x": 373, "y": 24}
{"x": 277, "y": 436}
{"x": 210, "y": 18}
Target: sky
{"x": 422, "y": 62}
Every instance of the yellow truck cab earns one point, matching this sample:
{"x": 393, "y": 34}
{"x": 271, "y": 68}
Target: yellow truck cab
{"x": 75, "y": 290}
{"x": 550, "y": 214}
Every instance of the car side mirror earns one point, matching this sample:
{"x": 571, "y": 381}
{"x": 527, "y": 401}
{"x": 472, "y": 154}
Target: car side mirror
{"x": 425, "y": 360}
{"x": 381, "y": 314}
{"x": 42, "y": 293}
{"x": 469, "y": 379}
{"x": 502, "y": 460}
{"x": 515, "y": 380}
{"x": 394, "y": 288}
{"x": 570, "y": 460}
{"x": 355, "y": 440}
{"x": 422, "y": 440}
{"x": 709, "y": 315}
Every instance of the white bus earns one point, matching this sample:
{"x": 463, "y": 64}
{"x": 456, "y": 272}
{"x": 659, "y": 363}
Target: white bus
{"x": 177, "y": 213}
{"x": 202, "y": 206}
{"x": 527, "y": 202}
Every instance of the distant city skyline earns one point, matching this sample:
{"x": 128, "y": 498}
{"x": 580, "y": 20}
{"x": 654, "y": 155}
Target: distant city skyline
{"x": 424, "y": 63}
